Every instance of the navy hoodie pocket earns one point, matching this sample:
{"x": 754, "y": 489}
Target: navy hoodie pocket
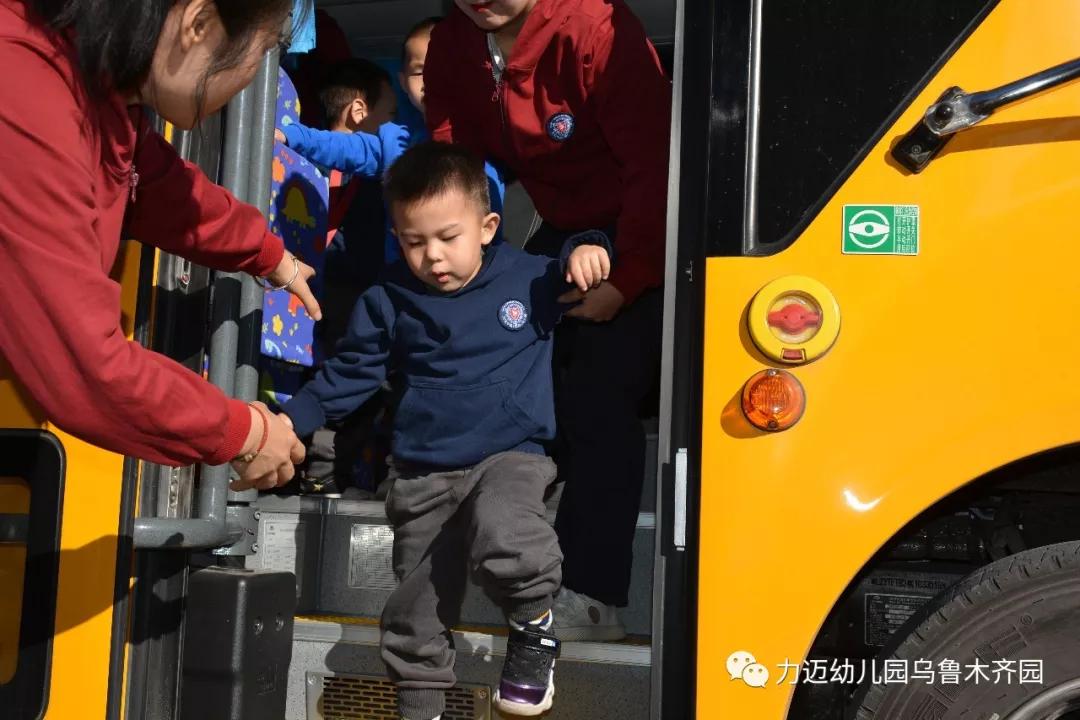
{"x": 454, "y": 426}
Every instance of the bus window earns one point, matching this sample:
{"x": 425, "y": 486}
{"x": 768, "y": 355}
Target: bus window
{"x": 31, "y": 486}
{"x": 833, "y": 73}
{"x": 14, "y": 510}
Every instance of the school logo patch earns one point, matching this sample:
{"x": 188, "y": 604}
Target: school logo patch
{"x": 513, "y": 315}
{"x": 560, "y": 127}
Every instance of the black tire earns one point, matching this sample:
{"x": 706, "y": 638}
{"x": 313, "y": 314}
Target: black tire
{"x": 1026, "y": 606}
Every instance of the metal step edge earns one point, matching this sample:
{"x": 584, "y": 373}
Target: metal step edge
{"x": 371, "y": 509}
{"x": 474, "y": 643}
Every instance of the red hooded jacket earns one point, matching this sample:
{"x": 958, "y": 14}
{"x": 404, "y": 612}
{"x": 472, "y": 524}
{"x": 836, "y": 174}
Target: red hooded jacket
{"x": 66, "y": 170}
{"x": 582, "y": 117}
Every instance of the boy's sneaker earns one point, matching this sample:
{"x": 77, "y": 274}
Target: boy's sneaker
{"x": 527, "y": 686}
{"x": 580, "y": 618}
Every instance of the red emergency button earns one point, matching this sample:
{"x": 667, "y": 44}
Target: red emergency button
{"x": 794, "y": 320}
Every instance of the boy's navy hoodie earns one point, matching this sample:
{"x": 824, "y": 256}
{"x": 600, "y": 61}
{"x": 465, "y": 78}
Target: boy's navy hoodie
{"x": 476, "y": 363}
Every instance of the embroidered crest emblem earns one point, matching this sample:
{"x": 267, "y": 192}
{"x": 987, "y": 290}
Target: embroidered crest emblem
{"x": 560, "y": 127}
{"x": 513, "y": 315}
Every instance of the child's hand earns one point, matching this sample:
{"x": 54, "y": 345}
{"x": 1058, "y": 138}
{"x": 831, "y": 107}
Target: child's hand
{"x": 588, "y": 266}
{"x": 280, "y": 137}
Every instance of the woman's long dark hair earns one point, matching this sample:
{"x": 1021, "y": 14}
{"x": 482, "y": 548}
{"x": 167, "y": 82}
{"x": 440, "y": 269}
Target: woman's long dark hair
{"x": 115, "y": 39}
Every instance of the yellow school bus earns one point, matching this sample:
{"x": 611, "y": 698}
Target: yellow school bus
{"x": 867, "y": 475}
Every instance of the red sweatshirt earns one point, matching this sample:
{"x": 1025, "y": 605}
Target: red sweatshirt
{"x": 66, "y": 166}
{"x": 581, "y": 117}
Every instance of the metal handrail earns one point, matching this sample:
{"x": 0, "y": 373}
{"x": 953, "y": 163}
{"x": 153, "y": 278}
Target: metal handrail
{"x": 235, "y": 295}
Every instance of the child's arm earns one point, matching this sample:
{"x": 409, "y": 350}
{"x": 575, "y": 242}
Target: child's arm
{"x": 356, "y": 153}
{"x": 586, "y": 257}
{"x": 354, "y": 373}
{"x": 633, "y": 101}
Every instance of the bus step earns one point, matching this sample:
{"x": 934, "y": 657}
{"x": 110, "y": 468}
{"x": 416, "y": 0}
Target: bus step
{"x": 337, "y": 670}
{"x": 341, "y": 553}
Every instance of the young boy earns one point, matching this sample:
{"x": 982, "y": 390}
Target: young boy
{"x": 570, "y": 97}
{"x": 469, "y": 330}
{"x": 370, "y": 151}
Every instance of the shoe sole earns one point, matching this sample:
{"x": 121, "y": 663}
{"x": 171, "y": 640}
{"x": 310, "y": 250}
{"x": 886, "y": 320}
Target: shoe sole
{"x": 590, "y": 633}
{"x": 525, "y": 709}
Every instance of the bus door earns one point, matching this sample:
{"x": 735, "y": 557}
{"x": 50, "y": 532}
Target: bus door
{"x": 874, "y": 272}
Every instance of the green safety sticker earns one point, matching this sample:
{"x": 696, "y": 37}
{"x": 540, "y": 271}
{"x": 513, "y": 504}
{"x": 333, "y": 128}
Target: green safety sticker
{"x": 881, "y": 230}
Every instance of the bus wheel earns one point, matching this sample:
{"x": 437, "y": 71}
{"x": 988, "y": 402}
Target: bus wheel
{"x": 1025, "y": 607}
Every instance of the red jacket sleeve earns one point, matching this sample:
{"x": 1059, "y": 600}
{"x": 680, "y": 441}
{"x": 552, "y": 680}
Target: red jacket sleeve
{"x": 439, "y": 84}
{"x": 60, "y": 330}
{"x": 179, "y": 210}
{"x": 633, "y": 101}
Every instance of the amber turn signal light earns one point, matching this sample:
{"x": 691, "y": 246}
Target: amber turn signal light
{"x": 773, "y": 400}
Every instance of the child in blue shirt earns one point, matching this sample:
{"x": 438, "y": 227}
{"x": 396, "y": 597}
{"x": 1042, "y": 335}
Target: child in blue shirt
{"x": 369, "y": 152}
{"x": 468, "y": 328}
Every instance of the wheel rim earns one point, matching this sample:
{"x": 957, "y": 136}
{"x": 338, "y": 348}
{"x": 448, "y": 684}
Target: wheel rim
{"x": 1061, "y": 702}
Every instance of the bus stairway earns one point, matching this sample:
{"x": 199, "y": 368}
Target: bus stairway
{"x": 340, "y": 551}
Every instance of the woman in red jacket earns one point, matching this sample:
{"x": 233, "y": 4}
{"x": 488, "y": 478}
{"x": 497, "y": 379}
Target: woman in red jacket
{"x": 81, "y": 167}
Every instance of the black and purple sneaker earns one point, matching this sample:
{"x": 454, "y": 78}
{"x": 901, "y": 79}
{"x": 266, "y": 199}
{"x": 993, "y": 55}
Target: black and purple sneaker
{"x": 527, "y": 686}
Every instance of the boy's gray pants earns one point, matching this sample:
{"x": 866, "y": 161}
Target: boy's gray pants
{"x": 486, "y": 520}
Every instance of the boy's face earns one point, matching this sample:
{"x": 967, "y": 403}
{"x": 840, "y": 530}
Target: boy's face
{"x": 492, "y": 15}
{"x": 442, "y": 238}
{"x": 381, "y": 112}
{"x": 412, "y": 71}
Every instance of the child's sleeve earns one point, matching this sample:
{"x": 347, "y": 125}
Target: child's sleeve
{"x": 497, "y": 193}
{"x": 356, "y": 153}
{"x": 633, "y": 101}
{"x": 587, "y": 237}
{"x": 354, "y": 373}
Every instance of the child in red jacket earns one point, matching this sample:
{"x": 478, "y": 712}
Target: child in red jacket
{"x": 569, "y": 96}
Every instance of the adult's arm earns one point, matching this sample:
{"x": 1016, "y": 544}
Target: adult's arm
{"x": 61, "y": 331}
{"x": 179, "y": 210}
{"x": 633, "y": 101}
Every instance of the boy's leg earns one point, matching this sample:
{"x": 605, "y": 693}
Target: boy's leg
{"x": 512, "y": 548}
{"x": 611, "y": 367}
{"x": 514, "y": 553}
{"x": 429, "y": 561}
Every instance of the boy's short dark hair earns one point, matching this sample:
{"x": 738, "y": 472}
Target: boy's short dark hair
{"x": 424, "y": 26}
{"x": 348, "y": 80}
{"x": 432, "y": 168}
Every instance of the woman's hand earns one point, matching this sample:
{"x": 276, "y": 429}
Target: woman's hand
{"x": 598, "y": 305}
{"x": 273, "y": 465}
{"x": 293, "y": 275}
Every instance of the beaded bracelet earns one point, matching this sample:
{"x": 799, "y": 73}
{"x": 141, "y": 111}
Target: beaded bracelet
{"x": 262, "y": 442}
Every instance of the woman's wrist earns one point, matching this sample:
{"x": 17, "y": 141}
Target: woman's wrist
{"x": 256, "y": 437}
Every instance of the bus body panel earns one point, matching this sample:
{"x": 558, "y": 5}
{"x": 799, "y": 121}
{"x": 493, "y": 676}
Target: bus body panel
{"x": 79, "y": 678}
{"x": 949, "y": 364}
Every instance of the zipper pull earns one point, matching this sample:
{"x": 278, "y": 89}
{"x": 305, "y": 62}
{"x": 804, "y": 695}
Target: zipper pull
{"x": 133, "y": 182}
{"x": 496, "y": 96}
